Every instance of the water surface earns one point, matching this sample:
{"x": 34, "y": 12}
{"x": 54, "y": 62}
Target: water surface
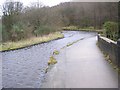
{"x": 25, "y": 68}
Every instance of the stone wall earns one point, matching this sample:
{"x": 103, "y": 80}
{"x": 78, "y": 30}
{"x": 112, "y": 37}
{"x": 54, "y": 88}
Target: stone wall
{"x": 110, "y": 48}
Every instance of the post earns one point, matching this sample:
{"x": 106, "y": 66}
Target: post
{"x": 118, "y": 60}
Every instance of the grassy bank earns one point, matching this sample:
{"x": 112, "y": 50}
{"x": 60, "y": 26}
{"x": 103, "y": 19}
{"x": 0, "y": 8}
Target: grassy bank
{"x": 75, "y": 28}
{"x": 29, "y": 42}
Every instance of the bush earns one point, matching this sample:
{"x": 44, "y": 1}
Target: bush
{"x": 5, "y": 34}
{"x": 42, "y": 30}
{"x": 111, "y": 30}
{"x": 17, "y": 32}
{"x": 0, "y": 32}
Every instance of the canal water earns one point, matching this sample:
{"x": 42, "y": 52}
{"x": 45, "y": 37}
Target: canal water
{"x": 25, "y": 68}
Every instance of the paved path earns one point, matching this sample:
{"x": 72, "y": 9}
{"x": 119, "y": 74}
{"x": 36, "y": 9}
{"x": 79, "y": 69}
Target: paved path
{"x": 81, "y": 65}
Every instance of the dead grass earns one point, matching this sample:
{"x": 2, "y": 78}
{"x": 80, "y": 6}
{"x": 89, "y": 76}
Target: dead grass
{"x": 31, "y": 41}
{"x": 75, "y": 28}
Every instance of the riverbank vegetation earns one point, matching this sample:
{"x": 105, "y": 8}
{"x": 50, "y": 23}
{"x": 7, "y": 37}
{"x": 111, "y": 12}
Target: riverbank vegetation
{"x": 111, "y": 30}
{"x": 21, "y": 22}
{"x": 31, "y": 41}
{"x": 75, "y": 28}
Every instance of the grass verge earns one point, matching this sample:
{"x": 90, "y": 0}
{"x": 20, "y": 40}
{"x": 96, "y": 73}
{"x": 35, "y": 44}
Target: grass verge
{"x": 29, "y": 42}
{"x": 75, "y": 28}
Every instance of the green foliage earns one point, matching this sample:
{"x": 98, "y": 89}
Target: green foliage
{"x": 42, "y": 30}
{"x": 77, "y": 28}
{"x": 0, "y": 28}
{"x": 5, "y": 34}
{"x": 17, "y": 32}
{"x": 111, "y": 30}
{"x": 40, "y": 21}
{"x": 0, "y": 32}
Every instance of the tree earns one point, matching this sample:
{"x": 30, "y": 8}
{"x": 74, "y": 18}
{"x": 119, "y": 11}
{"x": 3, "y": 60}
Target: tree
{"x": 11, "y": 12}
{"x": 111, "y": 30}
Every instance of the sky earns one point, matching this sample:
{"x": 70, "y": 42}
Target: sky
{"x": 28, "y": 2}
{"x": 52, "y": 2}
{"x": 45, "y": 2}
{"x": 55, "y": 2}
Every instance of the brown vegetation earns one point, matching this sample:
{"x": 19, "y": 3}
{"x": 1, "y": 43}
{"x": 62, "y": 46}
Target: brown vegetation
{"x": 24, "y": 22}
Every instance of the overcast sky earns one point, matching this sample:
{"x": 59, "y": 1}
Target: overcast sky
{"x": 45, "y": 2}
{"x": 28, "y": 2}
{"x": 55, "y": 2}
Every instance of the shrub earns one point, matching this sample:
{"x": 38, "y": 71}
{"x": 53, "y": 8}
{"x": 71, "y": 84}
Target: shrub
{"x": 42, "y": 30}
{"x": 17, "y": 32}
{"x": 5, "y": 34}
{"x": 0, "y": 32}
{"x": 111, "y": 30}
